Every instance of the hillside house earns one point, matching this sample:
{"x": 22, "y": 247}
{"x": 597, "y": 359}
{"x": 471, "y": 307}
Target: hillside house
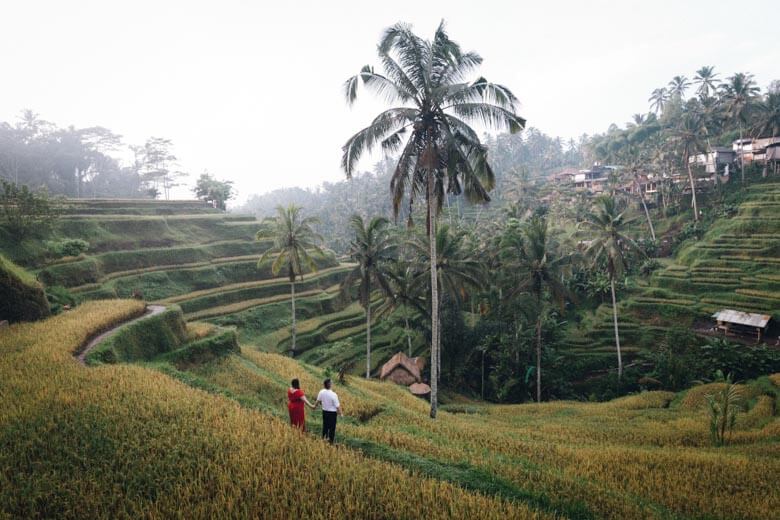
{"x": 403, "y": 370}
{"x": 744, "y": 324}
{"x": 715, "y": 160}
{"x": 753, "y": 149}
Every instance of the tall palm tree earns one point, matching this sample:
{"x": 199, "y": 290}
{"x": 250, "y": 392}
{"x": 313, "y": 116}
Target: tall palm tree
{"x": 535, "y": 259}
{"x": 374, "y": 251}
{"x": 439, "y": 151}
{"x": 678, "y": 85}
{"x": 688, "y": 135}
{"x": 293, "y": 241}
{"x": 609, "y": 244}
{"x": 767, "y": 117}
{"x": 658, "y": 99}
{"x": 739, "y": 95}
{"x": 707, "y": 79}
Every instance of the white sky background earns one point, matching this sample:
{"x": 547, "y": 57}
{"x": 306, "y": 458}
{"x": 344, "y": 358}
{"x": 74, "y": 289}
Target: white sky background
{"x": 253, "y": 93}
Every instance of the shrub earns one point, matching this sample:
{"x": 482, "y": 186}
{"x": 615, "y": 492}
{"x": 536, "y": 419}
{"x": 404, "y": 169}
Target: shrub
{"x": 68, "y": 247}
{"x": 649, "y": 266}
{"x": 723, "y": 406}
{"x": 24, "y": 212}
{"x": 60, "y": 299}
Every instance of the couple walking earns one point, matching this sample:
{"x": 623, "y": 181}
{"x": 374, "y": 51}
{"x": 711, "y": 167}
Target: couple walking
{"x": 331, "y": 408}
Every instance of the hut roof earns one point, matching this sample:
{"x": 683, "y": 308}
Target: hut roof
{"x": 420, "y": 389}
{"x": 743, "y": 318}
{"x": 400, "y": 360}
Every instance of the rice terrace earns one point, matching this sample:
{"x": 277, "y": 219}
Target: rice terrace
{"x": 397, "y": 296}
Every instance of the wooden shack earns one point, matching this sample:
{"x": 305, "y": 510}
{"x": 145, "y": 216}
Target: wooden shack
{"x": 403, "y": 370}
{"x": 742, "y": 324}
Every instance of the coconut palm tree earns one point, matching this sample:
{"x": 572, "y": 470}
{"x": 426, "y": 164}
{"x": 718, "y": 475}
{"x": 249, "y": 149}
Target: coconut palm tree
{"x": 707, "y": 79}
{"x": 739, "y": 96}
{"x": 658, "y": 100}
{"x": 678, "y": 85}
{"x": 439, "y": 152}
{"x": 607, "y": 227}
{"x": 767, "y": 116}
{"x": 688, "y": 134}
{"x": 535, "y": 259}
{"x": 374, "y": 251}
{"x": 293, "y": 242}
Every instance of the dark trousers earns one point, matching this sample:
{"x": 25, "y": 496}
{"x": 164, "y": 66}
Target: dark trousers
{"x": 329, "y": 425}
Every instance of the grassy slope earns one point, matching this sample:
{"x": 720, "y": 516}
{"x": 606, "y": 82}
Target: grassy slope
{"x": 631, "y": 458}
{"x": 161, "y": 448}
{"x": 125, "y": 441}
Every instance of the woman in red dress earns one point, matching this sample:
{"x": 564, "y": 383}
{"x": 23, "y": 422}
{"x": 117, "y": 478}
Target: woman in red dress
{"x": 295, "y": 402}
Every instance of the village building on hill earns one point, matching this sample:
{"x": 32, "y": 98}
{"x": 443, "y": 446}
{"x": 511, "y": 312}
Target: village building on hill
{"x": 403, "y": 370}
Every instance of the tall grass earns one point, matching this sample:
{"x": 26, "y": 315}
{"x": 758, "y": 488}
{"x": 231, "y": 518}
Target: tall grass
{"x": 126, "y": 441}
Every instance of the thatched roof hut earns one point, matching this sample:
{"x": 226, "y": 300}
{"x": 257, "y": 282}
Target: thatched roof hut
{"x": 420, "y": 389}
{"x": 403, "y": 370}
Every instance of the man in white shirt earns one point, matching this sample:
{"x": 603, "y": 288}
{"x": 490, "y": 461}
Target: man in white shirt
{"x": 331, "y": 408}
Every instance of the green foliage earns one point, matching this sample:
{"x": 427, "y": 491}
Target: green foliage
{"x": 67, "y": 247}
{"x": 211, "y": 190}
{"x": 723, "y": 407}
{"x": 23, "y": 212}
{"x": 649, "y": 266}
{"x": 59, "y": 298}
{"x": 23, "y": 298}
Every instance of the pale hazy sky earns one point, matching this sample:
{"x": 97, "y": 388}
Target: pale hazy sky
{"x": 253, "y": 92}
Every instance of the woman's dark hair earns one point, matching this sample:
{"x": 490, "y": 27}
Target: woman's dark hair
{"x": 327, "y": 383}
{"x": 295, "y": 384}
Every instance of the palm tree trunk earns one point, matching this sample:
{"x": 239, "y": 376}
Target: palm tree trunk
{"x": 539, "y": 357}
{"x": 292, "y": 299}
{"x": 693, "y": 189}
{"x": 368, "y": 339}
{"x": 615, "y": 321}
{"x": 647, "y": 213}
{"x": 408, "y": 332}
{"x": 434, "y": 298}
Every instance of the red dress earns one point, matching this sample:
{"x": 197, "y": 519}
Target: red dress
{"x": 295, "y": 407}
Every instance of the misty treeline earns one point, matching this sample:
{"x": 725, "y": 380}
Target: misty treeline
{"x": 82, "y": 162}
{"x": 517, "y": 159}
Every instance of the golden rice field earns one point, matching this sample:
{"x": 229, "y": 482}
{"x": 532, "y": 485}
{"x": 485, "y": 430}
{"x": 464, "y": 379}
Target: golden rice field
{"x": 128, "y": 440}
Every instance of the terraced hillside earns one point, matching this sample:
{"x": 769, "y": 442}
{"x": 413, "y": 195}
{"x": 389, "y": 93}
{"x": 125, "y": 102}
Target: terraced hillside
{"x": 205, "y": 261}
{"x": 199, "y": 429}
{"x": 735, "y": 265}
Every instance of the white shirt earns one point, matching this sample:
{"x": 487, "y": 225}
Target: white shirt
{"x": 329, "y": 400}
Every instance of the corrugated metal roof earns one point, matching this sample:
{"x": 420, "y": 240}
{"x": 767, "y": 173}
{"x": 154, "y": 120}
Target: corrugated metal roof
{"x": 743, "y": 318}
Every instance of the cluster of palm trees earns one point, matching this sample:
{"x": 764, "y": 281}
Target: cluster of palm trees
{"x": 521, "y": 266}
{"x": 663, "y": 141}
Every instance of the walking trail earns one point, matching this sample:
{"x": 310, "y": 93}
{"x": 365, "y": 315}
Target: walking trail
{"x": 151, "y": 310}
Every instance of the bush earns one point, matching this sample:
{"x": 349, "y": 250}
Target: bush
{"x": 24, "y": 212}
{"x": 67, "y": 247}
{"x": 649, "y": 266}
{"x": 60, "y": 299}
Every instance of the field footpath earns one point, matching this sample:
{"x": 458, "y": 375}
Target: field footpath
{"x": 151, "y": 310}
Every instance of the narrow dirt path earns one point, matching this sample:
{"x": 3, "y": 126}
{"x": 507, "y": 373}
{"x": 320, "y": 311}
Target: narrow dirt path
{"x": 151, "y": 310}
